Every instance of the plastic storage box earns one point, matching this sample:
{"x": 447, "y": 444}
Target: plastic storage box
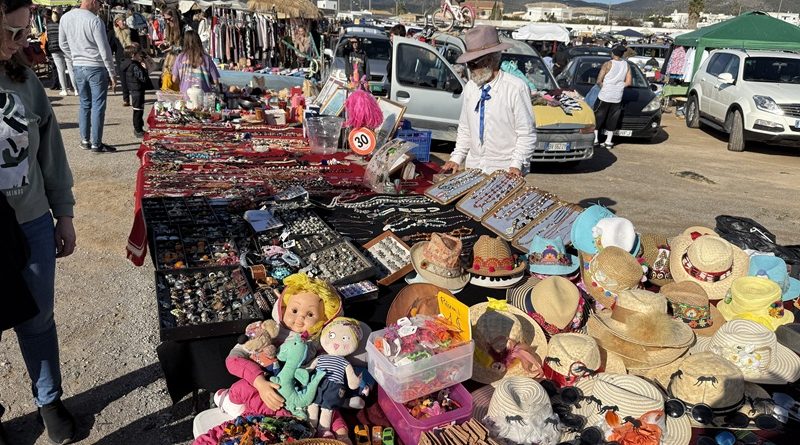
{"x": 410, "y": 429}
{"x": 422, "y": 141}
{"x": 420, "y": 378}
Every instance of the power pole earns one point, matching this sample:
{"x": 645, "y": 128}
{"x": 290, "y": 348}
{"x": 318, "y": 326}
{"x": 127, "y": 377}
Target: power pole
{"x": 610, "y": 25}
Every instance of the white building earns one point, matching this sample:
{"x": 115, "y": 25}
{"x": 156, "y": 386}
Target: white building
{"x": 539, "y": 12}
{"x": 594, "y": 14}
{"x": 330, "y": 5}
{"x": 787, "y": 17}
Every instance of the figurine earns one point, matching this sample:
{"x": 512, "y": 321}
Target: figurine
{"x": 339, "y": 339}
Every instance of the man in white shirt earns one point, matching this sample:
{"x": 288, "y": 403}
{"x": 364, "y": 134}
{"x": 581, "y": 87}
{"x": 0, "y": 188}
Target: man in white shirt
{"x": 496, "y": 129}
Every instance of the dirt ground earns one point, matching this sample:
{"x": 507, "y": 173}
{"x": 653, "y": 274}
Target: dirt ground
{"x": 106, "y": 311}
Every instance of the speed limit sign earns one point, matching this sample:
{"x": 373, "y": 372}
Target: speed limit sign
{"x": 362, "y": 141}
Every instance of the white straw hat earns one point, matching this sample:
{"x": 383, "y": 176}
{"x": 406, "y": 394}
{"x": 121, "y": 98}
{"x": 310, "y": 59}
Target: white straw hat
{"x": 755, "y": 350}
{"x": 708, "y": 260}
{"x": 568, "y": 349}
{"x": 520, "y": 412}
{"x": 633, "y": 397}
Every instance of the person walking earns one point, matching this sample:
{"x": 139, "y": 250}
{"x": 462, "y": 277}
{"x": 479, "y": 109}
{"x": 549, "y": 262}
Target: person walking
{"x": 134, "y": 71}
{"x": 62, "y": 67}
{"x": 121, "y": 38}
{"x": 194, "y": 67}
{"x": 82, "y": 37}
{"x": 496, "y": 130}
{"x": 614, "y": 76}
{"x": 36, "y": 179}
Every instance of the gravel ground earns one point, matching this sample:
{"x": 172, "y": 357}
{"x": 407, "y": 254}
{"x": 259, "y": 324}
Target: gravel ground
{"x": 105, "y": 307}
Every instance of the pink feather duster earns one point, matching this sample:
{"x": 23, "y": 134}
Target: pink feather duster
{"x": 363, "y": 110}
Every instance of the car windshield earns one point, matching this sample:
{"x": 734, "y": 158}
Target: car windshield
{"x": 588, "y": 51}
{"x": 772, "y": 69}
{"x": 587, "y": 72}
{"x": 534, "y": 69}
{"x": 376, "y": 49}
{"x": 649, "y": 51}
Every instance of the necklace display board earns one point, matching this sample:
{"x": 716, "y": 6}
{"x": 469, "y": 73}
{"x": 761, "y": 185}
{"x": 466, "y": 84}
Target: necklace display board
{"x": 455, "y": 186}
{"x": 514, "y": 212}
{"x": 488, "y": 193}
{"x": 555, "y": 223}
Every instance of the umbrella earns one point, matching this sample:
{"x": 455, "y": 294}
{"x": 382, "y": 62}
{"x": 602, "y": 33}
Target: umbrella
{"x": 287, "y": 8}
{"x": 629, "y": 33}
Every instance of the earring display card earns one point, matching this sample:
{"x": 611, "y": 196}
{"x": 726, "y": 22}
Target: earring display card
{"x": 488, "y": 193}
{"x": 391, "y": 255}
{"x": 340, "y": 264}
{"x": 197, "y": 303}
{"x": 455, "y": 186}
{"x": 515, "y": 212}
{"x": 558, "y": 222}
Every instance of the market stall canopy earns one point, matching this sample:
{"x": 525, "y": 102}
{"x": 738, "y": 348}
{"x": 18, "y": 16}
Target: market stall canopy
{"x": 285, "y": 8}
{"x": 629, "y": 33}
{"x": 548, "y": 32}
{"x": 52, "y": 3}
{"x": 752, "y": 30}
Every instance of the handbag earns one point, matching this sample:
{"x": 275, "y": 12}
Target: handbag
{"x": 747, "y": 233}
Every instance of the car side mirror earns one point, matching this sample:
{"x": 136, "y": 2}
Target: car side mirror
{"x": 456, "y": 89}
{"x": 726, "y": 78}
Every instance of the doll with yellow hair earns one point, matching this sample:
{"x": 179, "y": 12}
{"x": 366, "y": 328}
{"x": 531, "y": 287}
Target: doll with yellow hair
{"x": 307, "y": 304}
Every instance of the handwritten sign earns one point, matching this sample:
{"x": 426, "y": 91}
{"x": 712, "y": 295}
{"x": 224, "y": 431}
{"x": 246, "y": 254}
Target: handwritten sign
{"x": 457, "y": 313}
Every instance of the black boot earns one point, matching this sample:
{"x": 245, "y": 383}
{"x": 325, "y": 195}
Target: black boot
{"x": 58, "y": 422}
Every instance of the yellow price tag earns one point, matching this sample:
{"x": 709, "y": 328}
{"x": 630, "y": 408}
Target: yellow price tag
{"x": 457, "y": 313}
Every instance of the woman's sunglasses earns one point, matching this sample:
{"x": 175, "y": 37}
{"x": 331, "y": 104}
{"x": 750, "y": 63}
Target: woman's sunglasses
{"x": 17, "y": 34}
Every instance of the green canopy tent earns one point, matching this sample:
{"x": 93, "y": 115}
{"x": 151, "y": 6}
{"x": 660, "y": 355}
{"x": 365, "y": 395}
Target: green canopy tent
{"x": 751, "y": 30}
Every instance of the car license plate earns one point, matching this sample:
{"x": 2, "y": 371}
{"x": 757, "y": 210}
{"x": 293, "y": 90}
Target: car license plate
{"x": 624, "y": 133}
{"x": 558, "y": 146}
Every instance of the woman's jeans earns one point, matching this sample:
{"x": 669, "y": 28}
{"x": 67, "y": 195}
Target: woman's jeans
{"x": 63, "y": 67}
{"x": 37, "y": 337}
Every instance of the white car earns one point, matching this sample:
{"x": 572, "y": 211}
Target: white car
{"x": 752, "y": 95}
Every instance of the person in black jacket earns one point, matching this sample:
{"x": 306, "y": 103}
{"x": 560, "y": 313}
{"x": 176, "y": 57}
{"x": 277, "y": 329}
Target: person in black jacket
{"x": 133, "y": 71}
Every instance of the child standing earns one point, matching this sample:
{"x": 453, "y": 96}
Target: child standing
{"x": 134, "y": 69}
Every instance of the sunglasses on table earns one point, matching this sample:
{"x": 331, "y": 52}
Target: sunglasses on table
{"x": 17, "y": 33}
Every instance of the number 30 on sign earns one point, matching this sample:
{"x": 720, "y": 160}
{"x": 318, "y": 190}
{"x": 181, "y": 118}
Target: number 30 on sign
{"x": 362, "y": 141}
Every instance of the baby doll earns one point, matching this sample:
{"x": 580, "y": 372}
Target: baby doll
{"x": 339, "y": 339}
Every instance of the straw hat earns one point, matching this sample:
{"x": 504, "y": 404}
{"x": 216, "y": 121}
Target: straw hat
{"x": 520, "y": 412}
{"x": 634, "y": 397}
{"x": 641, "y": 317}
{"x": 437, "y": 261}
{"x": 492, "y": 258}
{"x": 756, "y": 299}
{"x": 609, "y": 272}
{"x": 655, "y": 252}
{"x": 415, "y": 299}
{"x": 480, "y": 41}
{"x": 568, "y": 349}
{"x": 616, "y": 231}
{"x": 774, "y": 268}
{"x": 554, "y": 303}
{"x": 755, "y": 351}
{"x": 495, "y": 325}
{"x": 708, "y": 260}
{"x": 548, "y": 257}
{"x": 581, "y": 232}
{"x": 709, "y": 379}
{"x": 690, "y": 305}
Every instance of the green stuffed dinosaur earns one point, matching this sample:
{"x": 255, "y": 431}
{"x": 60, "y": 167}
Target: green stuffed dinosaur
{"x": 296, "y": 397}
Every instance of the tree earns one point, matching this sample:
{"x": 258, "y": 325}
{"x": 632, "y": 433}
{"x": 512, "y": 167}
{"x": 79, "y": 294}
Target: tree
{"x": 695, "y": 8}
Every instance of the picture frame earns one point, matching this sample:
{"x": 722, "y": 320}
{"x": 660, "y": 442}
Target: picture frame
{"x": 335, "y": 105}
{"x": 327, "y": 91}
{"x": 392, "y": 115}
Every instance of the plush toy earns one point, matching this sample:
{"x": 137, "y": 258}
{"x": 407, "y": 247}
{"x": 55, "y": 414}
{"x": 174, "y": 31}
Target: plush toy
{"x": 339, "y": 339}
{"x": 297, "y": 388}
{"x": 307, "y": 304}
{"x": 258, "y": 342}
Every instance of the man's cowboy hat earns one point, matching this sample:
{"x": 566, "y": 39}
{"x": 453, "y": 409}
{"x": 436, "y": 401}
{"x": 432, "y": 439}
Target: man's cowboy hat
{"x": 480, "y": 41}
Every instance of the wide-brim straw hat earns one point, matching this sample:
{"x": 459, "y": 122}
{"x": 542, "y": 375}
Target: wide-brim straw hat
{"x": 707, "y": 254}
{"x": 480, "y": 41}
{"x": 634, "y": 397}
{"x": 656, "y": 253}
{"x": 709, "y": 379}
{"x": 640, "y": 317}
{"x": 609, "y": 272}
{"x": 459, "y": 277}
{"x": 636, "y": 357}
{"x": 492, "y": 257}
{"x": 756, "y": 299}
{"x": 690, "y": 304}
{"x": 560, "y": 305}
{"x": 497, "y": 322}
{"x": 755, "y": 350}
{"x": 415, "y": 299}
{"x": 564, "y": 350}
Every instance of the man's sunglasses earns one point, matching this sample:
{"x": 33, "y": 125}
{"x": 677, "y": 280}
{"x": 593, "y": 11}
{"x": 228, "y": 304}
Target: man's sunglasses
{"x": 18, "y": 33}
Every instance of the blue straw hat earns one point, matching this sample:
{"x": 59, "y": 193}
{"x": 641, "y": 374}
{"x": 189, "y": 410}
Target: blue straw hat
{"x": 548, "y": 257}
{"x": 581, "y": 234}
{"x": 774, "y": 268}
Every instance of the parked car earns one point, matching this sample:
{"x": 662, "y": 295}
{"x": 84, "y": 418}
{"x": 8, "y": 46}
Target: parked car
{"x": 641, "y": 113}
{"x": 645, "y": 52}
{"x": 587, "y": 50}
{"x": 429, "y": 83}
{"x": 378, "y": 48}
{"x": 751, "y": 95}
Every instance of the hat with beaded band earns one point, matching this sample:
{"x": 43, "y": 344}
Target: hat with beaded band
{"x": 610, "y": 272}
{"x": 438, "y": 261}
{"x": 756, "y": 299}
{"x": 549, "y": 257}
{"x": 494, "y": 265}
{"x": 689, "y": 303}
{"x": 708, "y": 260}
